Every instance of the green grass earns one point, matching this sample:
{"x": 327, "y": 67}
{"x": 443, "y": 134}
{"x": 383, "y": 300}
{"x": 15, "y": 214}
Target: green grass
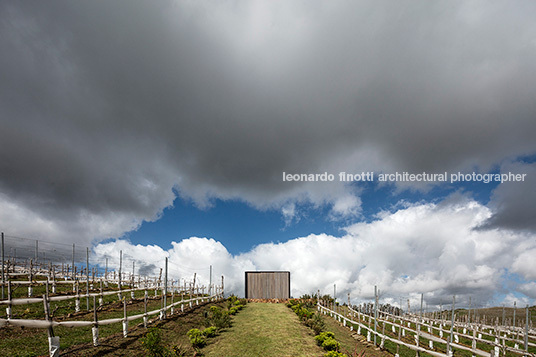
{"x": 263, "y": 329}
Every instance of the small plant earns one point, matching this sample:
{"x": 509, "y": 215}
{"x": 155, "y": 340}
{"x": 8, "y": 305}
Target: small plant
{"x": 235, "y": 301}
{"x": 152, "y": 343}
{"x": 292, "y": 302}
{"x": 316, "y": 323}
{"x": 231, "y": 300}
{"x": 324, "y": 336}
{"x": 210, "y": 331}
{"x": 218, "y": 317}
{"x": 197, "y": 339}
{"x": 304, "y": 313}
{"x": 330, "y": 344}
{"x": 301, "y": 309}
{"x": 309, "y": 301}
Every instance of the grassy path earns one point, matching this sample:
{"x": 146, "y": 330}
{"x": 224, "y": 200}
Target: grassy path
{"x": 264, "y": 330}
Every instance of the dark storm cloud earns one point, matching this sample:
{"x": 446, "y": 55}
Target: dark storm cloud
{"x": 105, "y": 107}
{"x": 513, "y": 202}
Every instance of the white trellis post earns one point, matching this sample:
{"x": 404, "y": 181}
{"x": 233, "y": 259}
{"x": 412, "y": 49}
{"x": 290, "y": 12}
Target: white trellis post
{"x": 125, "y": 321}
{"x": 95, "y": 328}
{"x": 165, "y": 287}
{"x": 120, "y": 267}
{"x": 132, "y": 295}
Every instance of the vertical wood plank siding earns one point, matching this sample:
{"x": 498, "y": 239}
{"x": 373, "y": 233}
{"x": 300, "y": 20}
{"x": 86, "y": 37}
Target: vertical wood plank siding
{"x": 267, "y": 285}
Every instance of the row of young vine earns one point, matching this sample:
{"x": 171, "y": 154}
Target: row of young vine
{"x": 305, "y": 309}
{"x": 216, "y": 319}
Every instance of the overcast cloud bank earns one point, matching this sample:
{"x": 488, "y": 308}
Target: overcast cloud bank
{"x": 109, "y": 110}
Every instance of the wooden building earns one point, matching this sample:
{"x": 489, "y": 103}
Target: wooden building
{"x": 267, "y": 285}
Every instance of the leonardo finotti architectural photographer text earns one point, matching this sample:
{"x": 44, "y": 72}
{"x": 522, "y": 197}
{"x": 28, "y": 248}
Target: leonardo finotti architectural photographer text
{"x": 369, "y": 176}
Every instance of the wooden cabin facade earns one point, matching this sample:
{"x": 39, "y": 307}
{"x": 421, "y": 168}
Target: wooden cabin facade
{"x": 267, "y": 285}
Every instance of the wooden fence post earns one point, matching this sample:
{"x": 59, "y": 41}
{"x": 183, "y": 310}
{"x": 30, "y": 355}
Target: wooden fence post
{"x": 182, "y": 296}
{"x": 375, "y": 313}
{"x": 30, "y": 278}
{"x": 172, "y": 298}
{"x": 526, "y": 339}
{"x": 53, "y": 278}
{"x": 165, "y": 288}
{"x": 74, "y": 285}
{"x": 101, "y": 297}
{"x": 449, "y": 340}
{"x": 132, "y": 294}
{"x": 125, "y": 321}
{"x": 145, "y": 308}
{"x": 87, "y": 278}
{"x": 399, "y": 339}
{"x": 3, "y": 266}
{"x": 9, "y": 296}
{"x": 53, "y": 341}
{"x": 120, "y": 267}
{"x": 73, "y": 267}
{"x": 382, "y": 342}
{"x": 77, "y": 301}
{"x": 95, "y": 328}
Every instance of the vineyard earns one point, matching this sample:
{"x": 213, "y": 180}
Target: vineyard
{"x": 443, "y": 334}
{"x": 70, "y": 307}
{"x": 58, "y": 299}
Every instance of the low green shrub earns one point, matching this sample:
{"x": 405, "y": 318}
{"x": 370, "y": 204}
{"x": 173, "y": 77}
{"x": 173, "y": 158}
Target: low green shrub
{"x": 218, "y": 317}
{"x": 316, "y": 323}
{"x": 309, "y": 301}
{"x": 330, "y": 344}
{"x": 292, "y": 302}
{"x": 197, "y": 339}
{"x": 152, "y": 343}
{"x": 304, "y": 313}
{"x": 324, "y": 336}
{"x": 235, "y": 301}
{"x": 210, "y": 331}
{"x": 308, "y": 317}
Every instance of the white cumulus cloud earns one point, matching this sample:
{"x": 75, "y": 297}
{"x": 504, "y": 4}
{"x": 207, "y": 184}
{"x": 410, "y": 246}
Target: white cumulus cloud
{"x": 432, "y": 249}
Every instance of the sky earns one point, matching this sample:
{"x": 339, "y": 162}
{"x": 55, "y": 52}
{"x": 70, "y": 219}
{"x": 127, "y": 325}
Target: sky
{"x": 169, "y": 129}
